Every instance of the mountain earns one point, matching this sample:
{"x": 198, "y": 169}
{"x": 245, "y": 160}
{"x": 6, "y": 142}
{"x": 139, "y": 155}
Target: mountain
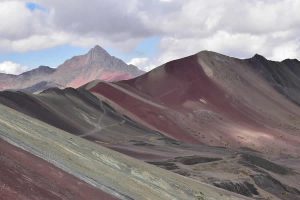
{"x": 212, "y": 99}
{"x": 25, "y": 79}
{"x": 79, "y": 70}
{"x": 283, "y": 76}
{"x": 96, "y": 64}
{"x": 5, "y": 81}
{"x": 213, "y": 119}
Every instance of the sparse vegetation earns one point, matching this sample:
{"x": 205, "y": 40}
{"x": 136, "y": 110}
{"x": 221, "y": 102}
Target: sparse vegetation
{"x": 200, "y": 196}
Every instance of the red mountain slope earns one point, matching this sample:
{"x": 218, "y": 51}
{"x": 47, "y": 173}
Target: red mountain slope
{"x": 213, "y": 99}
{"x": 27, "y": 177}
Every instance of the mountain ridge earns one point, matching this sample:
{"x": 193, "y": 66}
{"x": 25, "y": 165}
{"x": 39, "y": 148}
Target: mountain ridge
{"x": 197, "y": 92}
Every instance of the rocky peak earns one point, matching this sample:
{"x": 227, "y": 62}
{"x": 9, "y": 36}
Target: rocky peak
{"x": 43, "y": 67}
{"x": 98, "y": 50}
{"x": 295, "y": 61}
{"x": 259, "y": 57}
{"x": 46, "y": 69}
{"x": 97, "y": 54}
{"x": 39, "y": 70}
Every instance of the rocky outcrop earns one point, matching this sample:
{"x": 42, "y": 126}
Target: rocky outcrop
{"x": 270, "y": 184}
{"x": 256, "y": 161}
{"x": 243, "y": 188}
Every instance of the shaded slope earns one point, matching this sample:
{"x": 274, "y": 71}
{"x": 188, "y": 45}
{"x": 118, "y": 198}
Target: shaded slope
{"x": 78, "y": 112}
{"x": 283, "y": 76}
{"x": 40, "y": 86}
{"x": 34, "y": 107}
{"x": 209, "y": 98}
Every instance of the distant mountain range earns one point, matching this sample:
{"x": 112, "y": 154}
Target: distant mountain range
{"x": 79, "y": 70}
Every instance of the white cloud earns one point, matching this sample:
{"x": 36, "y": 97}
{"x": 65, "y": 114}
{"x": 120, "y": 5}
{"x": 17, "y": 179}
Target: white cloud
{"x": 105, "y": 22}
{"x": 237, "y": 28}
{"x": 15, "y": 20}
{"x": 142, "y": 62}
{"x": 9, "y": 67}
{"x": 239, "y": 45}
{"x": 138, "y": 61}
{"x": 287, "y": 50}
{"x": 22, "y": 29}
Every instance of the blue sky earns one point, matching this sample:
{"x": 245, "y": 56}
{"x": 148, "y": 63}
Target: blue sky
{"x": 50, "y": 57}
{"x": 145, "y": 33}
{"x": 148, "y": 47}
{"x": 34, "y": 6}
{"x": 55, "y": 56}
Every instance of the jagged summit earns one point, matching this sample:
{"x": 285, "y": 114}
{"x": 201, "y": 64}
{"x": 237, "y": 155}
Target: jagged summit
{"x": 258, "y": 57}
{"x": 100, "y": 56}
{"x": 214, "y": 55}
{"x": 44, "y": 67}
{"x": 291, "y": 60}
{"x": 40, "y": 69}
{"x": 98, "y": 51}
